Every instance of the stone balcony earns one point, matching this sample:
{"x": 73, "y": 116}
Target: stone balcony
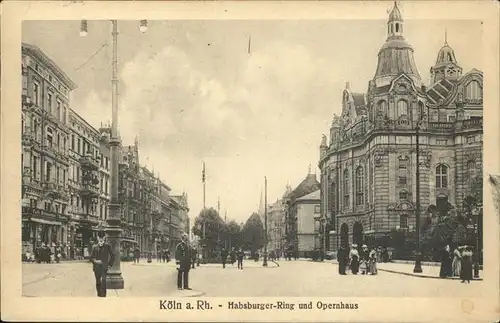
{"x": 89, "y": 162}
{"x": 88, "y": 190}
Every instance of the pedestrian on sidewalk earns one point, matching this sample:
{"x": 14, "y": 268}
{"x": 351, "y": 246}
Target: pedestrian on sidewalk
{"x": 183, "y": 262}
{"x": 137, "y": 255}
{"x": 354, "y": 257}
{"x": 445, "y": 270}
{"x": 457, "y": 261}
{"x": 466, "y": 264}
{"x": 241, "y": 254}
{"x": 223, "y": 255}
{"x": 372, "y": 269}
{"x": 193, "y": 257}
{"x": 102, "y": 258}
{"x": 364, "y": 259}
{"x": 233, "y": 256}
{"x": 341, "y": 258}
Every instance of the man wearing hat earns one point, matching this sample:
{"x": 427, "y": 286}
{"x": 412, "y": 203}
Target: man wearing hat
{"x": 102, "y": 258}
{"x": 183, "y": 262}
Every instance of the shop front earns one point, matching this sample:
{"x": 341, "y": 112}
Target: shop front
{"x": 38, "y": 227}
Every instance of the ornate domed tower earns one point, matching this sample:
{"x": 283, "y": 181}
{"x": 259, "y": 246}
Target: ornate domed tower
{"x": 396, "y": 55}
{"x": 446, "y": 66}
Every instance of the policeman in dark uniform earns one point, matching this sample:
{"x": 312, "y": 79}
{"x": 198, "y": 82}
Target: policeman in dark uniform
{"x": 183, "y": 262}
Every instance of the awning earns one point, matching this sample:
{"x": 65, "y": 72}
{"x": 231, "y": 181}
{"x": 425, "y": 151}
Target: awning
{"x": 42, "y": 221}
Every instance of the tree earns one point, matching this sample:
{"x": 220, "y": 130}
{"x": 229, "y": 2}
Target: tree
{"x": 234, "y": 233}
{"x": 253, "y": 233}
{"x": 211, "y": 228}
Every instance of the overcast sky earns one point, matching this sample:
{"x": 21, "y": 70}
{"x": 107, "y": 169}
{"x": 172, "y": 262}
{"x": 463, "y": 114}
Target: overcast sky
{"x": 191, "y": 92}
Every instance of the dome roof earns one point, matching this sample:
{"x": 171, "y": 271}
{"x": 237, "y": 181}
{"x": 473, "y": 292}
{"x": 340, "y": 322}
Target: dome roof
{"x": 394, "y": 58}
{"x": 395, "y": 14}
{"x": 446, "y": 55}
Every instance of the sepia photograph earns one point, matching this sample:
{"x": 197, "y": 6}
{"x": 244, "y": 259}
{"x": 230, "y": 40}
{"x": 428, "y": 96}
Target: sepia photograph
{"x": 184, "y": 159}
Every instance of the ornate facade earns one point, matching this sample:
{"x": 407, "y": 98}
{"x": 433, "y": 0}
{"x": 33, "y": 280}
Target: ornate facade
{"x": 44, "y": 154}
{"x": 368, "y": 163}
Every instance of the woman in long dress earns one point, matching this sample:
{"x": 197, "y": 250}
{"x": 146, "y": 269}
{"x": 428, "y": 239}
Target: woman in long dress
{"x": 363, "y": 257}
{"x": 373, "y": 262}
{"x": 466, "y": 272}
{"x": 354, "y": 257}
{"x": 456, "y": 264}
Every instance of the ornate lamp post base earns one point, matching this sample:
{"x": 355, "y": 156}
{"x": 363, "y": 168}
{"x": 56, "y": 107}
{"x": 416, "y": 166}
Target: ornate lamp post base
{"x": 418, "y": 262}
{"x": 114, "y": 278}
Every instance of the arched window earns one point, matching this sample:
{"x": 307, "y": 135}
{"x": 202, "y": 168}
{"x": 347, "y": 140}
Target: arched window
{"x": 473, "y": 91}
{"x": 421, "y": 110}
{"x": 402, "y": 108}
{"x": 397, "y": 27}
{"x": 441, "y": 176}
{"x": 346, "y": 188}
{"x": 359, "y": 185}
{"x": 403, "y": 221}
{"x": 382, "y": 108}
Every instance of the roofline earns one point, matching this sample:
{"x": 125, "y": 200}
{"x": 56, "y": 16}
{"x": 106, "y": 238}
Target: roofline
{"x": 39, "y": 54}
{"x": 84, "y": 121}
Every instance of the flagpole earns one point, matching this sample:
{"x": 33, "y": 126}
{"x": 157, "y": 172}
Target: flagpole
{"x": 204, "y": 186}
{"x": 265, "y": 222}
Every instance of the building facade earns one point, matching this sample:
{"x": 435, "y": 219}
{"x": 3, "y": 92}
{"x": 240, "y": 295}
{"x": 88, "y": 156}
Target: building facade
{"x": 296, "y": 225}
{"x": 368, "y": 163}
{"x": 276, "y": 226}
{"x": 44, "y": 155}
{"x": 88, "y": 185}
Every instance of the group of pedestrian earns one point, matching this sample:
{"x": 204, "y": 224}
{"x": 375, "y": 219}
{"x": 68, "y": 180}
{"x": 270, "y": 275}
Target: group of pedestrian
{"x": 163, "y": 255}
{"x": 234, "y": 255}
{"x": 362, "y": 260}
{"x": 458, "y": 263}
{"x": 44, "y": 253}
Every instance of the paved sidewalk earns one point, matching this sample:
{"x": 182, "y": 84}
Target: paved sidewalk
{"x": 428, "y": 271}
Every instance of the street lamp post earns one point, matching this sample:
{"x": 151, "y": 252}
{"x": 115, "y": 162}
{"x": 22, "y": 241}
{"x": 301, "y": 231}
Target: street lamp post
{"x": 114, "y": 279}
{"x": 265, "y": 222}
{"x": 418, "y": 260}
{"x": 477, "y": 214}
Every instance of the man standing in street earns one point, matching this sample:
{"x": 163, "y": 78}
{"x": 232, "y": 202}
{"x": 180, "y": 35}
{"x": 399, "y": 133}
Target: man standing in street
{"x": 102, "y": 258}
{"x": 223, "y": 255}
{"x": 183, "y": 262}
{"x": 241, "y": 254}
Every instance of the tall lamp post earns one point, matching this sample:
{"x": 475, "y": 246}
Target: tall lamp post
{"x": 265, "y": 222}
{"x": 418, "y": 254}
{"x": 114, "y": 279}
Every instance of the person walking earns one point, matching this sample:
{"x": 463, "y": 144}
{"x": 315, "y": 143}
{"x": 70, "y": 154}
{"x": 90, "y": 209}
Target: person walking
{"x": 457, "y": 261}
{"x": 183, "y": 262}
{"x": 102, "y": 258}
{"x": 193, "y": 257}
{"x": 372, "y": 265}
{"x": 341, "y": 258}
{"x": 233, "y": 256}
{"x": 354, "y": 257}
{"x": 241, "y": 254}
{"x": 466, "y": 265}
{"x": 223, "y": 255}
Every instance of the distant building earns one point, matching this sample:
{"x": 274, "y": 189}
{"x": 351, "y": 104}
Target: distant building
{"x": 299, "y": 225}
{"x": 276, "y": 226}
{"x": 368, "y": 168}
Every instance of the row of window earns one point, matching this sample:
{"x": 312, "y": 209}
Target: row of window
{"x": 52, "y": 106}
{"x": 441, "y": 181}
{"x": 54, "y": 173}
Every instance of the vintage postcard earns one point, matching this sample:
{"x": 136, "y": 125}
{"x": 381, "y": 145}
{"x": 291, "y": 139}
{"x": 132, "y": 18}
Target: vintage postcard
{"x": 250, "y": 161}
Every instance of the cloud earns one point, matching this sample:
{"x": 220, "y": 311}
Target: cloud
{"x": 268, "y": 122}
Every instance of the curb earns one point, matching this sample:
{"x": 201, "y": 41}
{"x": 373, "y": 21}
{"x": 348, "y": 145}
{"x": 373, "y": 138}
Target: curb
{"x": 423, "y": 276}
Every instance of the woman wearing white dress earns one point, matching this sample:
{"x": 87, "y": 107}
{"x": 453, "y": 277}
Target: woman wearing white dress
{"x": 457, "y": 261}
